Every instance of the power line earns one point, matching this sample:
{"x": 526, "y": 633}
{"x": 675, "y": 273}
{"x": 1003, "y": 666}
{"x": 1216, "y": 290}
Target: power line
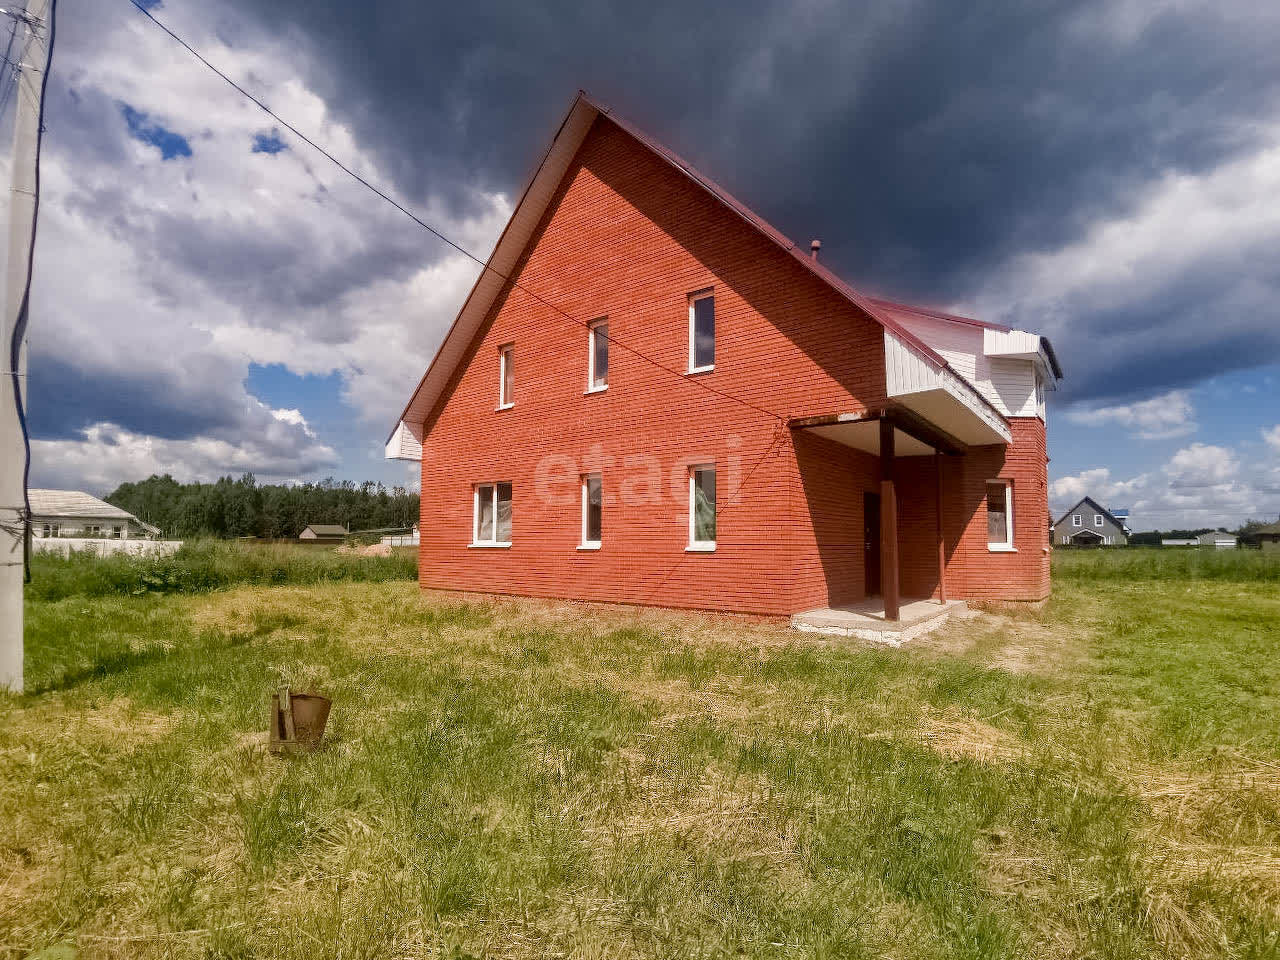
{"x": 428, "y": 227}
{"x": 9, "y": 67}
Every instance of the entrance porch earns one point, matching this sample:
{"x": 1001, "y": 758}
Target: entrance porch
{"x": 876, "y": 484}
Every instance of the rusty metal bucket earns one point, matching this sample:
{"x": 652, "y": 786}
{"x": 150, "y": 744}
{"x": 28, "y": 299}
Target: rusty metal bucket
{"x": 297, "y": 721}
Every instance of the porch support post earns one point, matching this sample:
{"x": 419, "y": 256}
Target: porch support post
{"x": 937, "y": 513}
{"x": 888, "y": 523}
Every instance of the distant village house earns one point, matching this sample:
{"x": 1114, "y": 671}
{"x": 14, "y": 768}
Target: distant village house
{"x": 1089, "y": 524}
{"x": 1268, "y": 537}
{"x": 72, "y": 513}
{"x": 332, "y": 532}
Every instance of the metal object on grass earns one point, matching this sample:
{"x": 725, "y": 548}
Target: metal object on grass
{"x": 297, "y": 721}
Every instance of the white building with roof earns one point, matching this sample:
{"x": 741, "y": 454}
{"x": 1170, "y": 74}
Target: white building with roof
{"x": 72, "y": 513}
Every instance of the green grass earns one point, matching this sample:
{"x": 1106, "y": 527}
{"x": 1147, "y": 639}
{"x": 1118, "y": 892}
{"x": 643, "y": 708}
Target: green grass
{"x": 524, "y": 779}
{"x": 1175, "y": 564}
{"x": 203, "y": 565}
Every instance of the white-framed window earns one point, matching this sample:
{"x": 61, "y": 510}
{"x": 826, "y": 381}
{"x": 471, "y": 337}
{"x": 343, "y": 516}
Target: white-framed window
{"x": 999, "y": 515}
{"x": 506, "y": 376}
{"x": 1076, "y": 521}
{"x": 702, "y": 331}
{"x": 491, "y": 523}
{"x": 598, "y": 355}
{"x": 116, "y": 531}
{"x": 592, "y": 511}
{"x": 93, "y": 530}
{"x": 702, "y": 507}
{"x": 1097, "y": 519}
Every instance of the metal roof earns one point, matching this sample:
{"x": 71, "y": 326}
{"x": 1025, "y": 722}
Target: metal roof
{"x": 74, "y": 503}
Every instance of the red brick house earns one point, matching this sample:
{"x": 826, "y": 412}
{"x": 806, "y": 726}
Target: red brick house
{"x": 651, "y": 396}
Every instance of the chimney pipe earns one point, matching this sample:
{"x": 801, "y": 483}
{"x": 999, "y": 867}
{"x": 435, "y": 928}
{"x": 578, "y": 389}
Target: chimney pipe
{"x": 814, "y": 248}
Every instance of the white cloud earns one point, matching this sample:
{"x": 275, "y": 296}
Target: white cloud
{"x": 1201, "y": 485}
{"x": 1158, "y": 418}
{"x": 1272, "y": 437}
{"x": 165, "y": 280}
{"x": 107, "y": 455}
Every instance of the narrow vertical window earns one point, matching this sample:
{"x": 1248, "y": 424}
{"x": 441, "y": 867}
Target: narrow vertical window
{"x": 592, "y": 511}
{"x": 491, "y": 526}
{"x": 702, "y": 507}
{"x": 1075, "y": 520}
{"x": 1097, "y": 519}
{"x": 702, "y": 331}
{"x": 999, "y": 515}
{"x": 598, "y": 355}
{"x": 506, "y": 360}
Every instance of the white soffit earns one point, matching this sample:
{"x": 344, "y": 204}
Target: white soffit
{"x": 864, "y": 435}
{"x": 405, "y": 442}
{"x": 940, "y": 395}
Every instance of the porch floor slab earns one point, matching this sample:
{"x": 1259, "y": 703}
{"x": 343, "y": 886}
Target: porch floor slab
{"x": 866, "y": 620}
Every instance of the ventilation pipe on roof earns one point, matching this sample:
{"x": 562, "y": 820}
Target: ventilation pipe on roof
{"x": 814, "y": 247}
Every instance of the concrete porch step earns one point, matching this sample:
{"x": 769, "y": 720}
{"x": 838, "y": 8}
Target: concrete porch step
{"x": 867, "y": 621}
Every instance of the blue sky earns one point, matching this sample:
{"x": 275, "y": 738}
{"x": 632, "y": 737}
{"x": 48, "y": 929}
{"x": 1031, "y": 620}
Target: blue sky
{"x": 239, "y": 304}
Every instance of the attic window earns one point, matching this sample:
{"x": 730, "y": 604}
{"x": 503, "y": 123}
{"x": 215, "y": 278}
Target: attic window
{"x": 506, "y": 376}
{"x": 1097, "y": 519}
{"x": 702, "y": 331}
{"x": 1076, "y": 521}
{"x": 597, "y": 355}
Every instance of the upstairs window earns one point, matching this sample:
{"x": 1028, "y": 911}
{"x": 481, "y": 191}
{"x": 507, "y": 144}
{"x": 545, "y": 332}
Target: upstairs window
{"x": 592, "y": 511}
{"x": 1076, "y": 521}
{"x": 506, "y": 376}
{"x": 702, "y": 331}
{"x": 1097, "y": 519}
{"x": 702, "y": 507}
{"x": 597, "y": 355}
{"x": 999, "y": 515}
{"x": 491, "y": 523}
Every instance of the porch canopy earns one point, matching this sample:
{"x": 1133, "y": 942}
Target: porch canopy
{"x": 901, "y": 429}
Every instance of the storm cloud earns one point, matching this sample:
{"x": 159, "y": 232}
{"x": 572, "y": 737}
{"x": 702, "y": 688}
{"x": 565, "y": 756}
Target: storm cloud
{"x": 1092, "y": 170}
{"x": 929, "y": 145}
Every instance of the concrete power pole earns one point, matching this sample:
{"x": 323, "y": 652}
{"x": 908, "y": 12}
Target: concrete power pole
{"x": 35, "y": 28}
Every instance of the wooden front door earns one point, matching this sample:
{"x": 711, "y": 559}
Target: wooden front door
{"x": 871, "y": 543}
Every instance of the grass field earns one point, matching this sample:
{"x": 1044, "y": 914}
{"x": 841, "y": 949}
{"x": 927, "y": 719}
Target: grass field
{"x": 527, "y": 779}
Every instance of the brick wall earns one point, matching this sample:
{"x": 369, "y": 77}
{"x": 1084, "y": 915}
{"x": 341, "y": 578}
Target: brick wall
{"x": 628, "y": 238}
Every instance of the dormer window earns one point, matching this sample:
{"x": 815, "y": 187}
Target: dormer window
{"x": 702, "y": 331}
{"x": 506, "y": 376}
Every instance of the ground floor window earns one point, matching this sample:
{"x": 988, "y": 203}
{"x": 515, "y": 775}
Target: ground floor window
{"x": 702, "y": 507}
{"x": 999, "y": 515}
{"x": 491, "y": 524}
{"x": 592, "y": 511}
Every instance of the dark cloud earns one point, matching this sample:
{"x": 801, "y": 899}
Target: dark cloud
{"x": 919, "y": 140}
{"x": 67, "y": 398}
{"x": 924, "y": 143}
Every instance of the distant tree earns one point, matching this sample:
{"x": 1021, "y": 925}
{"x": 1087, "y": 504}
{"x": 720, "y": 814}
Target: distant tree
{"x": 1250, "y": 527}
{"x": 244, "y": 508}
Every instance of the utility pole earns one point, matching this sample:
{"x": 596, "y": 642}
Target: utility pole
{"x": 35, "y": 28}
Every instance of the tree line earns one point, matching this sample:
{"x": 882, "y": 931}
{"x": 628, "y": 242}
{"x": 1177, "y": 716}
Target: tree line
{"x": 245, "y": 508}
